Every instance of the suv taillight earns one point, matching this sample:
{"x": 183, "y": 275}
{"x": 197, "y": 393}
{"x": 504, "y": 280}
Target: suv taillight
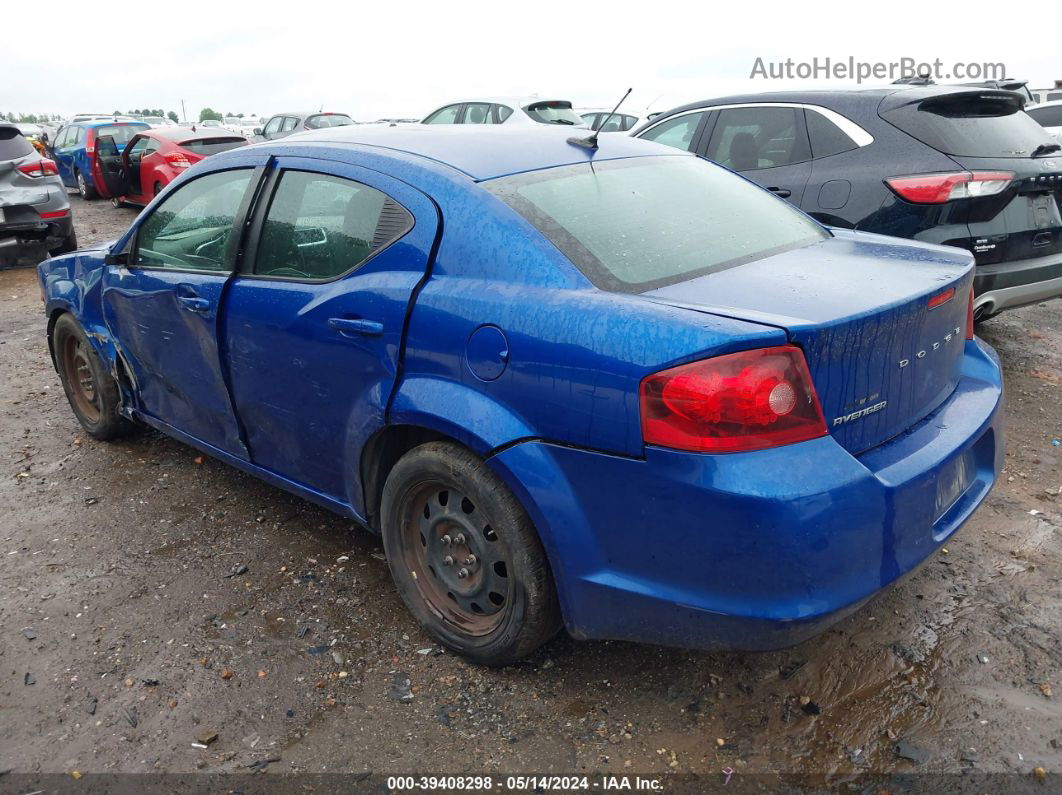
{"x": 733, "y": 403}
{"x": 176, "y": 159}
{"x": 970, "y": 316}
{"x": 42, "y": 168}
{"x": 942, "y": 188}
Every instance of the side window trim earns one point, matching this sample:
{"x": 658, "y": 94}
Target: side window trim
{"x": 255, "y": 224}
{"x": 239, "y": 228}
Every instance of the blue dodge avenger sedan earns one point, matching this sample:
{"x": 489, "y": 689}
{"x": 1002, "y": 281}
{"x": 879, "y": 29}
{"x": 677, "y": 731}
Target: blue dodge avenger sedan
{"x": 616, "y": 388}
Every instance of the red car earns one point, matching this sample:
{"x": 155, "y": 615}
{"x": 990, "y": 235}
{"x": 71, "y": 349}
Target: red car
{"x": 155, "y": 157}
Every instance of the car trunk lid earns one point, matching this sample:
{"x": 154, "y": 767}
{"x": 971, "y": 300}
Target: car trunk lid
{"x": 859, "y": 307}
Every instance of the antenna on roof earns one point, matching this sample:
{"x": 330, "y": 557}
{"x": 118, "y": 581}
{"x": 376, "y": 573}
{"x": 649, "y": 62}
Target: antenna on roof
{"x": 590, "y": 142}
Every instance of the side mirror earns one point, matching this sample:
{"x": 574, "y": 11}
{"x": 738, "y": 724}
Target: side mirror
{"x": 121, "y": 258}
{"x": 257, "y": 130}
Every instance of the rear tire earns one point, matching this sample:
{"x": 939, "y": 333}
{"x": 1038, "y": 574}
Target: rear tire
{"x": 86, "y": 191}
{"x": 92, "y": 391}
{"x": 69, "y": 244}
{"x": 117, "y": 203}
{"x": 156, "y": 189}
{"x": 465, "y": 556}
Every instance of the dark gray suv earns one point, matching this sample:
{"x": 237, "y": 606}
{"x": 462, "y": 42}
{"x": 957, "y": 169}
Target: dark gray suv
{"x": 34, "y": 210}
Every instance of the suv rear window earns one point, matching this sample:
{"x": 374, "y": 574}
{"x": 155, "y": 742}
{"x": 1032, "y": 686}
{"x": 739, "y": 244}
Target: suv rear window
{"x": 13, "y": 144}
{"x": 121, "y": 133}
{"x": 211, "y": 146}
{"x": 328, "y": 120}
{"x": 554, "y": 112}
{"x": 702, "y": 218}
{"x": 970, "y": 125}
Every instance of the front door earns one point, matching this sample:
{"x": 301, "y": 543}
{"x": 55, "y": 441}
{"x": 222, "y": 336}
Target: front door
{"x": 163, "y": 305}
{"x": 313, "y": 322}
{"x": 768, "y": 144}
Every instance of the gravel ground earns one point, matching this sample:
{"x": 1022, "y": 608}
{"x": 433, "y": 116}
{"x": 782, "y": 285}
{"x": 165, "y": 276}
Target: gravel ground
{"x": 117, "y": 604}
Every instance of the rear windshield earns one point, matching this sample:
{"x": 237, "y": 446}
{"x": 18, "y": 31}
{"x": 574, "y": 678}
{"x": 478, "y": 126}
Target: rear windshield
{"x": 641, "y": 223}
{"x": 13, "y": 144}
{"x": 211, "y": 146}
{"x": 554, "y": 113}
{"x": 121, "y": 133}
{"x": 329, "y": 120}
{"x": 971, "y": 125}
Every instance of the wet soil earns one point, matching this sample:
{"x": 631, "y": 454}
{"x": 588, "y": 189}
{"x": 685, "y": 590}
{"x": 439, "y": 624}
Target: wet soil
{"x": 116, "y": 600}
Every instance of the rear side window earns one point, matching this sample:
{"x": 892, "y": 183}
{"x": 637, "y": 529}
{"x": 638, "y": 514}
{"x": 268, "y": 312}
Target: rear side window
{"x": 970, "y": 125}
{"x": 826, "y": 137}
{"x": 289, "y": 124}
{"x": 319, "y": 226}
{"x": 704, "y": 219}
{"x": 677, "y": 132}
{"x": 121, "y": 133}
{"x": 554, "y": 112}
{"x": 618, "y": 123}
{"x": 13, "y": 144}
{"x": 477, "y": 113}
{"x": 1048, "y": 117}
{"x": 211, "y": 146}
{"x": 503, "y": 112}
{"x": 746, "y": 139}
{"x": 328, "y": 120}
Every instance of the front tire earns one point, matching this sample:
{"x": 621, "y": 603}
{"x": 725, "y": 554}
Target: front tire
{"x": 92, "y": 391}
{"x": 465, "y": 556}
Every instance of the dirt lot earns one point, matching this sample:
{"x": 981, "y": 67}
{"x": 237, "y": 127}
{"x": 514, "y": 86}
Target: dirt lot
{"x": 117, "y": 604}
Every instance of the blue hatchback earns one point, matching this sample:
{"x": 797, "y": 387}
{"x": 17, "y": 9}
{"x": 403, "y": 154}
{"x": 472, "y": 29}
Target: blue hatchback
{"x": 619, "y": 389}
{"x": 74, "y": 151}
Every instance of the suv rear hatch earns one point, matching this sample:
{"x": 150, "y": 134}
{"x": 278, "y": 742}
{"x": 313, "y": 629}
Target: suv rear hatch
{"x": 880, "y": 356}
{"x": 1012, "y": 203}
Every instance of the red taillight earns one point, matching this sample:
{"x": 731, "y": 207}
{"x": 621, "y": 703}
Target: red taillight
{"x": 970, "y": 317}
{"x": 942, "y": 188}
{"x": 742, "y": 401}
{"x": 176, "y": 159}
{"x": 56, "y": 214}
{"x": 43, "y": 168}
{"x": 90, "y": 141}
{"x": 941, "y": 298}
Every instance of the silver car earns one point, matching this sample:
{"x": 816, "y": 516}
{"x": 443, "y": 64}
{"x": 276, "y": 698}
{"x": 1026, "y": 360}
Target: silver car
{"x": 512, "y": 111}
{"x": 34, "y": 210}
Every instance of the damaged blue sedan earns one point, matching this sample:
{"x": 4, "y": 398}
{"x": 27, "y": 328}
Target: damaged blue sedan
{"x": 608, "y": 386}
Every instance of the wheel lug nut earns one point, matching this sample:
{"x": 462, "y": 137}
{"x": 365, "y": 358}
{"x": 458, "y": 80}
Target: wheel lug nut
{"x": 470, "y": 560}
{"x": 448, "y": 560}
{"x": 446, "y": 540}
{"x": 460, "y": 539}
{"x": 462, "y": 573}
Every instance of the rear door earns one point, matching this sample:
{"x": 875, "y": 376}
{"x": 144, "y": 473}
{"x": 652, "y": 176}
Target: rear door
{"x": 313, "y": 323}
{"x": 111, "y": 168}
{"x": 163, "y": 305}
{"x": 766, "y": 143}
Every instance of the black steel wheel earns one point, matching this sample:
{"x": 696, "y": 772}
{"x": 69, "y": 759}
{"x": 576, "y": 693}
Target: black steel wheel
{"x": 465, "y": 556}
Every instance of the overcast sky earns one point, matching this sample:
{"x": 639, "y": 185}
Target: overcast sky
{"x": 388, "y": 59}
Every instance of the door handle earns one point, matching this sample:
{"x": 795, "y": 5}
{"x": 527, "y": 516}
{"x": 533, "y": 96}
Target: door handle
{"x": 351, "y": 326}
{"x": 785, "y": 193}
{"x": 194, "y": 304}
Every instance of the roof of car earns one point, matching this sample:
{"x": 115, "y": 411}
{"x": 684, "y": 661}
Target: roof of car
{"x": 830, "y": 96}
{"x": 511, "y": 100}
{"x": 110, "y": 122}
{"x": 485, "y": 151}
{"x": 188, "y": 134}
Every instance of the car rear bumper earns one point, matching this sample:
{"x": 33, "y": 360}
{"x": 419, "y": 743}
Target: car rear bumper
{"x": 755, "y": 550}
{"x": 47, "y": 232}
{"x": 1005, "y": 285}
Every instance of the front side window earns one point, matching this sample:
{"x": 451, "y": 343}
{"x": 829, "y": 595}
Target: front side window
{"x": 273, "y": 126}
{"x": 677, "y": 132}
{"x": 447, "y": 115}
{"x": 320, "y": 226}
{"x": 191, "y": 229}
{"x": 746, "y": 139}
{"x": 477, "y": 113}
{"x": 618, "y": 123}
{"x": 701, "y": 219}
